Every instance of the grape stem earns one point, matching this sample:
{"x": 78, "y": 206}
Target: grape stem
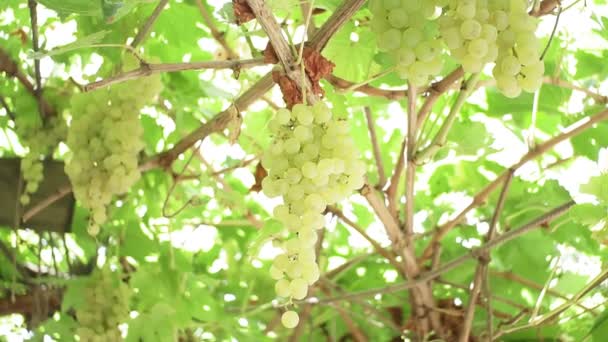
{"x": 481, "y": 272}
{"x": 32, "y": 4}
{"x": 375, "y": 147}
{"x": 217, "y": 35}
{"x": 146, "y": 69}
{"x": 145, "y": 29}
{"x": 441, "y": 136}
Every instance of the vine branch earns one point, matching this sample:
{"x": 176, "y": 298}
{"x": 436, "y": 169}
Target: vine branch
{"x": 145, "y": 29}
{"x": 455, "y": 263}
{"x": 571, "y": 131}
{"x": 151, "y": 69}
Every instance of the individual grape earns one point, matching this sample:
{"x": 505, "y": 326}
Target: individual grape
{"x": 303, "y": 114}
{"x": 282, "y": 288}
{"x": 290, "y": 319}
{"x": 291, "y": 146}
{"x": 298, "y": 288}
{"x": 470, "y": 29}
{"x": 389, "y": 40}
{"x": 398, "y": 18}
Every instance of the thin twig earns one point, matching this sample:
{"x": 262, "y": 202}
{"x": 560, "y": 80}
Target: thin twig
{"x": 10, "y": 67}
{"x": 145, "y": 30}
{"x": 343, "y": 84}
{"x": 59, "y": 194}
{"x": 559, "y": 13}
{"x": 598, "y": 98}
{"x": 441, "y": 136}
{"x": 508, "y": 275}
{"x": 341, "y": 15}
{"x": 555, "y": 313}
{"x": 455, "y": 263}
{"x": 435, "y": 91}
{"x": 151, "y": 69}
{"x": 379, "y": 249}
{"x": 9, "y": 112}
{"x": 543, "y": 291}
{"x": 391, "y": 192}
{"x": 571, "y": 131}
{"x": 371, "y": 127}
{"x": 481, "y": 270}
{"x": 32, "y": 4}
{"x": 217, "y": 35}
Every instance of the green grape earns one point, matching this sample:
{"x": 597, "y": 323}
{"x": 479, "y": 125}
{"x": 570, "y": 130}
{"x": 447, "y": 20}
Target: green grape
{"x": 298, "y": 288}
{"x": 398, "y": 18}
{"x": 40, "y": 138}
{"x": 312, "y": 163}
{"x": 389, "y": 40}
{"x": 290, "y": 319}
{"x": 106, "y": 305}
{"x": 470, "y": 29}
{"x": 478, "y": 48}
{"x": 105, "y": 138}
{"x": 282, "y": 288}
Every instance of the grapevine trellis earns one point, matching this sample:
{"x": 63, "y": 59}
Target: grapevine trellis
{"x": 329, "y": 169}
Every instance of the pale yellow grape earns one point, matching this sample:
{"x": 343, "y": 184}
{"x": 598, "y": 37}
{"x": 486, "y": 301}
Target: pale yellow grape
{"x": 290, "y": 319}
{"x": 282, "y": 288}
{"x": 298, "y": 288}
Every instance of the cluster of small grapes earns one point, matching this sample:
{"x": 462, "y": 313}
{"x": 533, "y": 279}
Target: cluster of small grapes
{"x": 407, "y": 30}
{"x": 311, "y": 163}
{"x": 476, "y": 32}
{"x": 106, "y": 305}
{"x": 470, "y": 30}
{"x": 105, "y": 139}
{"x": 40, "y": 139}
{"x": 519, "y": 65}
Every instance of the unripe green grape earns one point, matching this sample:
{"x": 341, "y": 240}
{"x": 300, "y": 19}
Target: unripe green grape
{"x": 391, "y": 4}
{"x": 398, "y": 18}
{"x": 510, "y": 65}
{"x": 290, "y": 319}
{"x": 477, "y": 48}
{"x": 389, "y": 40}
{"x": 470, "y": 29}
{"x": 283, "y": 116}
{"x": 412, "y": 37}
{"x": 466, "y": 9}
{"x": 298, "y": 288}
{"x": 282, "y": 288}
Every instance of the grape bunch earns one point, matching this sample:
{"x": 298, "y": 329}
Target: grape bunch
{"x": 476, "y": 33}
{"x": 469, "y": 30}
{"x": 106, "y": 305}
{"x": 40, "y": 138}
{"x": 105, "y": 138}
{"x": 407, "y": 30}
{"x": 311, "y": 163}
{"x": 519, "y": 65}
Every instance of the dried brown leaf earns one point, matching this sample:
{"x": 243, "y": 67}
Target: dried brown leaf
{"x": 289, "y": 88}
{"x": 242, "y": 11}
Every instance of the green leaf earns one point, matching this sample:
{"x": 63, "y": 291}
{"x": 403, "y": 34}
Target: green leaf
{"x": 83, "y": 42}
{"x": 599, "y": 330}
{"x": 598, "y": 187}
